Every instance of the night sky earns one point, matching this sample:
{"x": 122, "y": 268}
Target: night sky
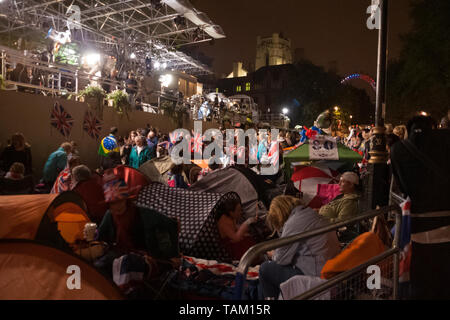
{"x": 326, "y": 29}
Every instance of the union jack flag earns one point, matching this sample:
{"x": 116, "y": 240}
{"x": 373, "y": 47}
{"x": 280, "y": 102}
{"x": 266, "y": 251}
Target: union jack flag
{"x": 274, "y": 153}
{"x": 197, "y": 142}
{"x": 116, "y": 190}
{"x": 62, "y": 183}
{"x": 253, "y": 153}
{"x": 61, "y": 120}
{"x": 92, "y": 125}
{"x": 240, "y": 152}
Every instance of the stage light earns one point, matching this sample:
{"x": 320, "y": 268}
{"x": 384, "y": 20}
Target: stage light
{"x": 132, "y": 55}
{"x": 423, "y": 113}
{"x": 92, "y": 59}
{"x": 166, "y": 80}
{"x": 164, "y": 65}
{"x": 157, "y": 65}
{"x": 285, "y": 110}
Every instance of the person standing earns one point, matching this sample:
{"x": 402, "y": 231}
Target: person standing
{"x": 131, "y": 88}
{"x": 420, "y": 165}
{"x": 56, "y": 163}
{"x": 140, "y": 153}
{"x": 109, "y": 143}
{"x": 152, "y": 141}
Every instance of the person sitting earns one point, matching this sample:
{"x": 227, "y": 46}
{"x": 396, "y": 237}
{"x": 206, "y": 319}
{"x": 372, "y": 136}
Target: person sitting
{"x": 18, "y": 151}
{"x": 344, "y": 206}
{"x": 80, "y": 173}
{"x": 288, "y": 216}
{"x": 55, "y": 163}
{"x": 235, "y": 238}
{"x": 140, "y": 153}
{"x": 121, "y": 222}
{"x": 15, "y": 182}
{"x": 16, "y": 172}
{"x": 64, "y": 179}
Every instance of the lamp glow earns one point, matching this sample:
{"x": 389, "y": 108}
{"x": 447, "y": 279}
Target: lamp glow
{"x": 92, "y": 59}
{"x": 166, "y": 80}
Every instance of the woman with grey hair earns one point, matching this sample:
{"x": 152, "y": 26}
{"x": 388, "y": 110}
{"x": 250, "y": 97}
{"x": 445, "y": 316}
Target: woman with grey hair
{"x": 80, "y": 173}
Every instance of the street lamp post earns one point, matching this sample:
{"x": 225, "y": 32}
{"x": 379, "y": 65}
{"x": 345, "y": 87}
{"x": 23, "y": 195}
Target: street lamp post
{"x": 378, "y": 177}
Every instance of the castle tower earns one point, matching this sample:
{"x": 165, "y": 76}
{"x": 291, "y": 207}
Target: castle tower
{"x": 272, "y": 51}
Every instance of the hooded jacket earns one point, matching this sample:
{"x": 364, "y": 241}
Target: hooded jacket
{"x": 311, "y": 254}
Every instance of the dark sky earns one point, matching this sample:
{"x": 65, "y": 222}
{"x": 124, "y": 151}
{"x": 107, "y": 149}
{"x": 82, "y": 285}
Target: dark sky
{"x": 326, "y": 29}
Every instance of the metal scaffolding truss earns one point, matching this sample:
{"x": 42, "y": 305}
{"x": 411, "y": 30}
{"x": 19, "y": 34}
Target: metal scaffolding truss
{"x": 147, "y": 28}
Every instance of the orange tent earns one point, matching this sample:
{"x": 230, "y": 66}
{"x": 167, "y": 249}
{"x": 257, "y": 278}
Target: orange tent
{"x": 32, "y": 271}
{"x": 56, "y": 219}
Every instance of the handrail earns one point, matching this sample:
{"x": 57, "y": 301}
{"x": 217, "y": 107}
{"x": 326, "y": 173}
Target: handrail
{"x": 255, "y": 251}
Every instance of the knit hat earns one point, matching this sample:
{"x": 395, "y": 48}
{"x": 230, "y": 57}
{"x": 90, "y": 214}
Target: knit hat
{"x": 350, "y": 177}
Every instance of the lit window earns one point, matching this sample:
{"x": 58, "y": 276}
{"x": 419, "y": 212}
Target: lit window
{"x": 247, "y": 86}
{"x": 238, "y": 89}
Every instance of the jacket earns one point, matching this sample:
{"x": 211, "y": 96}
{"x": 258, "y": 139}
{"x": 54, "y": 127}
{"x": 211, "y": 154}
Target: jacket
{"x": 311, "y": 254}
{"x": 341, "y": 208}
{"x": 56, "y": 162}
{"x": 135, "y": 160}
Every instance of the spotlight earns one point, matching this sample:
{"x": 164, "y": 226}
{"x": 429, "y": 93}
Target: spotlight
{"x": 164, "y": 65}
{"x": 166, "y": 80}
{"x": 133, "y": 56}
{"x": 92, "y": 59}
{"x": 285, "y": 110}
{"x": 157, "y": 65}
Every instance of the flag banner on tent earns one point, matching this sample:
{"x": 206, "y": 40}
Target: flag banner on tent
{"x": 323, "y": 148}
{"x": 307, "y": 180}
{"x": 61, "y": 120}
{"x": 92, "y": 125}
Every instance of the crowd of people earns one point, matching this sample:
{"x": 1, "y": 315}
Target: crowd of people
{"x": 287, "y": 215}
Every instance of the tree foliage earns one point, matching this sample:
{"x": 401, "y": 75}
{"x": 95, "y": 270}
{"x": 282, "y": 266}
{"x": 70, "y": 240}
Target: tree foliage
{"x": 312, "y": 90}
{"x": 420, "y": 78}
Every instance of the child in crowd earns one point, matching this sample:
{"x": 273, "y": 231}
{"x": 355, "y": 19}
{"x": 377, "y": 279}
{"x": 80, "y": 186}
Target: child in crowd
{"x": 16, "y": 172}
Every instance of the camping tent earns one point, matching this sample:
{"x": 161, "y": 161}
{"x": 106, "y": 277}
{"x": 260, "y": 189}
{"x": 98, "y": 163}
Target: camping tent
{"x": 33, "y": 271}
{"x": 302, "y": 154}
{"x": 134, "y": 178}
{"x": 91, "y": 191}
{"x": 250, "y": 187}
{"x": 196, "y": 212}
{"x": 56, "y": 219}
{"x": 156, "y": 170}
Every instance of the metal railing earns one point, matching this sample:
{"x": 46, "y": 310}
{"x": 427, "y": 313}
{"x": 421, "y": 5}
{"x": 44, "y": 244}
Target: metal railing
{"x": 254, "y": 252}
{"x": 52, "y": 77}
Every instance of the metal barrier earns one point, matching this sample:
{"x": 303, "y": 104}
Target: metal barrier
{"x": 52, "y": 75}
{"x": 254, "y": 252}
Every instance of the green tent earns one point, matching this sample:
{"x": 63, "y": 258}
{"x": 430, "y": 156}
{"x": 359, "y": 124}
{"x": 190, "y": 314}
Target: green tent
{"x": 301, "y": 154}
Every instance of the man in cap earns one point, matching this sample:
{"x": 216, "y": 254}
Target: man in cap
{"x": 344, "y": 206}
